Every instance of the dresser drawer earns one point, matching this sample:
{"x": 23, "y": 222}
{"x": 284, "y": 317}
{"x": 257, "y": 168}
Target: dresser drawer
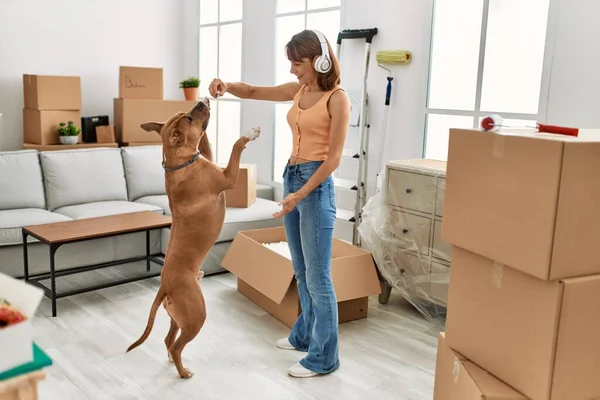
{"x": 412, "y": 271}
{"x": 411, "y": 190}
{"x": 439, "y": 198}
{"x": 439, "y": 281}
{"x": 411, "y": 231}
{"x": 441, "y": 249}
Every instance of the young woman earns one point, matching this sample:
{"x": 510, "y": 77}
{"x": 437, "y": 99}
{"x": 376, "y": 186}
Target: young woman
{"x": 318, "y": 119}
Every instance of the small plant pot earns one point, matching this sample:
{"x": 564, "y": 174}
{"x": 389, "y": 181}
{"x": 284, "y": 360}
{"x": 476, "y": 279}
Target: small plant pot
{"x": 191, "y": 93}
{"x": 69, "y": 139}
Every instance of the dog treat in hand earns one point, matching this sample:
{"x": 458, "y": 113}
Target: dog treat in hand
{"x": 9, "y": 315}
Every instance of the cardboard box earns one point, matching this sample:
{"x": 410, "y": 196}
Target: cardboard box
{"x": 105, "y": 134}
{"x": 129, "y": 114}
{"x": 457, "y": 378}
{"x": 540, "y": 337}
{"x": 526, "y": 200}
{"x": 39, "y": 127}
{"x": 267, "y": 277}
{"x": 243, "y": 195}
{"x": 16, "y": 342}
{"x": 140, "y": 83}
{"x": 49, "y": 92}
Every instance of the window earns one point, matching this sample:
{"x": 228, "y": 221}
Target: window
{"x": 220, "y": 41}
{"x": 293, "y": 16}
{"x": 487, "y": 57}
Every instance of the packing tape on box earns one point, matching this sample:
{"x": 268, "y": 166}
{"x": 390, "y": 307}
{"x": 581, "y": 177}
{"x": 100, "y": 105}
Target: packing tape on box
{"x": 497, "y": 274}
{"x": 498, "y": 146}
{"x": 456, "y": 370}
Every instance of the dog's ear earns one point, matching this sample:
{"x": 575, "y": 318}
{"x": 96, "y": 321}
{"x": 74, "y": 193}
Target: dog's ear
{"x": 152, "y": 126}
{"x": 177, "y": 138}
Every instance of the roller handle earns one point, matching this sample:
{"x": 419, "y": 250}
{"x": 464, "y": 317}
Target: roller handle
{"x": 561, "y": 130}
{"x": 388, "y": 91}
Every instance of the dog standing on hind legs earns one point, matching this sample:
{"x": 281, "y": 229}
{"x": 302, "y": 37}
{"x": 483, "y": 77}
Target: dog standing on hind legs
{"x": 195, "y": 189}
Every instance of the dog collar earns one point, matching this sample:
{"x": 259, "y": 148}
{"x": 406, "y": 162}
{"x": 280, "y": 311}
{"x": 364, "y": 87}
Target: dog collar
{"x": 185, "y": 164}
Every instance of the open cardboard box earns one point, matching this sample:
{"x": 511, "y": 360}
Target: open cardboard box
{"x": 16, "y": 341}
{"x": 267, "y": 278}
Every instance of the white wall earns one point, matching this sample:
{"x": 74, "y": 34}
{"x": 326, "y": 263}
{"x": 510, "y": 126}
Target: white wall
{"x": 575, "y": 81}
{"x": 402, "y": 25}
{"x": 87, "y": 39}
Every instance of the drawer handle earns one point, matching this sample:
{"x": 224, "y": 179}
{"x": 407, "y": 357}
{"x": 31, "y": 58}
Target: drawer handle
{"x": 405, "y": 231}
{"x": 408, "y": 191}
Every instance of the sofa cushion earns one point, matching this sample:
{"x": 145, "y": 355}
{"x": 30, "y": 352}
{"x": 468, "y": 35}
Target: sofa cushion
{"x": 83, "y": 176}
{"x": 161, "y": 200}
{"x": 11, "y": 222}
{"x": 21, "y": 182}
{"x": 264, "y": 191}
{"x": 102, "y": 208}
{"x": 143, "y": 171}
{"x": 259, "y": 215}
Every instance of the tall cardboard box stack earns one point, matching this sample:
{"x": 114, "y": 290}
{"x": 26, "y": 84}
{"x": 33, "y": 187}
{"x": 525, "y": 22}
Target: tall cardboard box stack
{"x": 48, "y": 101}
{"x": 521, "y": 212}
{"x": 141, "y": 100}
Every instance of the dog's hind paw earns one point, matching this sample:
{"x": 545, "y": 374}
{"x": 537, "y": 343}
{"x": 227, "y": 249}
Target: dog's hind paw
{"x": 252, "y": 133}
{"x": 186, "y": 374}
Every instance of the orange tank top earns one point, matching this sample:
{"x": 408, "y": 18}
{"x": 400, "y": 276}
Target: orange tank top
{"x": 310, "y": 127}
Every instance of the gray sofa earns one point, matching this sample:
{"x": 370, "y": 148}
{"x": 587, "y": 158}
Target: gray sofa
{"x": 44, "y": 187}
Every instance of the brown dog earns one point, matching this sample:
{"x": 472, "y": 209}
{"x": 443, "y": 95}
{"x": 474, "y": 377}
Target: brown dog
{"x": 195, "y": 187}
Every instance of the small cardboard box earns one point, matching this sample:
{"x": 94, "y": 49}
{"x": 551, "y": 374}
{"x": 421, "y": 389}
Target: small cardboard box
{"x": 40, "y": 127}
{"x": 528, "y": 200}
{"x": 16, "y": 342}
{"x": 48, "y": 92}
{"x": 140, "y": 83}
{"x": 267, "y": 277}
{"x": 105, "y": 134}
{"x": 538, "y": 336}
{"x": 129, "y": 114}
{"x": 457, "y": 378}
{"x": 243, "y": 195}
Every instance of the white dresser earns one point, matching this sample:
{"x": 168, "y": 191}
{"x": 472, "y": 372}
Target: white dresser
{"x": 419, "y": 261}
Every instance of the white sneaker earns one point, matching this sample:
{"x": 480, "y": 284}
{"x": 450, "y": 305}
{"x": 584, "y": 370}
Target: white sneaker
{"x": 285, "y": 344}
{"x": 298, "y": 371}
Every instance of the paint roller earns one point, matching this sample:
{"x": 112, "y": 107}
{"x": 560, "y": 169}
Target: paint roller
{"x": 389, "y": 57}
{"x": 494, "y": 122}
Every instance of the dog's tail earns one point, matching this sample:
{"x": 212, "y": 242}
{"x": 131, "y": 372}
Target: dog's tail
{"x": 157, "y": 301}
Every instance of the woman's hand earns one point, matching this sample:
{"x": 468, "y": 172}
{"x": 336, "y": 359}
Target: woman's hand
{"x": 288, "y": 204}
{"x": 217, "y": 88}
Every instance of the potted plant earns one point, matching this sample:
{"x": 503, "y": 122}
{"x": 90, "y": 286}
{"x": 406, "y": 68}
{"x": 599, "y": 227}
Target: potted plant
{"x": 190, "y": 87}
{"x": 68, "y": 133}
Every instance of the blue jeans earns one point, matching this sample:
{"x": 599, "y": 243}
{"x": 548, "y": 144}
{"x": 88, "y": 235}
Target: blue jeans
{"x": 309, "y": 231}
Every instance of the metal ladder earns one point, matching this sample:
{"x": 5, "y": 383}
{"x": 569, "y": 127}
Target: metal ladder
{"x": 363, "y": 123}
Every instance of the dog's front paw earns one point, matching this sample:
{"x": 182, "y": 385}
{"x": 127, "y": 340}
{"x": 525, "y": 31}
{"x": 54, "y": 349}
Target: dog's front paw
{"x": 252, "y": 133}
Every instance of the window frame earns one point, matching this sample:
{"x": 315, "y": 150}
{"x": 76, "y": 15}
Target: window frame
{"x": 477, "y": 113}
{"x": 218, "y": 24}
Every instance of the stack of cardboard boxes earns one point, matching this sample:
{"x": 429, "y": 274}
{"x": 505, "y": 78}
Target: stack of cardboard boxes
{"x": 48, "y": 101}
{"x": 521, "y": 212}
{"x": 141, "y": 100}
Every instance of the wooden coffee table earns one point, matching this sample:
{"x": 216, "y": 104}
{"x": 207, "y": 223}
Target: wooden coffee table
{"x": 60, "y": 233}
